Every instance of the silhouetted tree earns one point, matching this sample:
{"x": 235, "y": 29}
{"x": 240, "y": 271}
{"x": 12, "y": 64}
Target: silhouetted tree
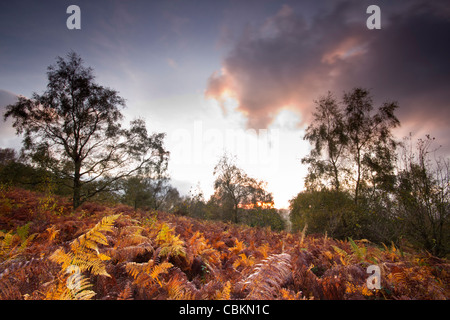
{"x": 233, "y": 186}
{"x": 74, "y": 129}
{"x": 370, "y": 143}
{"x": 352, "y": 145}
{"x": 327, "y": 135}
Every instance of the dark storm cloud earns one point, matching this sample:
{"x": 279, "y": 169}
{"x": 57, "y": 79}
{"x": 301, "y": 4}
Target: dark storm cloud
{"x": 289, "y": 61}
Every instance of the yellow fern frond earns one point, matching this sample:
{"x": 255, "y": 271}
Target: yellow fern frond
{"x": 84, "y": 252}
{"x": 244, "y": 261}
{"x": 52, "y": 233}
{"x": 95, "y": 236}
{"x": 344, "y": 256}
{"x": 148, "y": 272}
{"x": 264, "y": 250}
{"x": 160, "y": 269}
{"x": 73, "y": 287}
{"x": 174, "y": 247}
{"x": 225, "y": 294}
{"x": 239, "y": 246}
{"x": 62, "y": 258}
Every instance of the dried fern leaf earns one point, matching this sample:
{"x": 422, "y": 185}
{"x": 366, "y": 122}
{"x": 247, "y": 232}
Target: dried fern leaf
{"x": 268, "y": 277}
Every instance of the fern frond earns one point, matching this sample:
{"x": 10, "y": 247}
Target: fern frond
{"x": 178, "y": 288}
{"x": 344, "y": 256}
{"x": 244, "y": 261}
{"x": 126, "y": 293}
{"x": 52, "y": 233}
{"x": 73, "y": 287}
{"x": 160, "y": 269}
{"x": 6, "y": 245}
{"x": 174, "y": 247}
{"x": 360, "y": 252}
{"x": 147, "y": 273}
{"x": 62, "y": 258}
{"x": 225, "y": 294}
{"x": 129, "y": 253}
{"x": 264, "y": 250}
{"x": 266, "y": 281}
{"x": 84, "y": 251}
{"x": 239, "y": 246}
{"x": 95, "y": 236}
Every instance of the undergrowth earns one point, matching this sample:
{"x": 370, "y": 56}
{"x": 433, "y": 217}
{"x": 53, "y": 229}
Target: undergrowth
{"x": 98, "y": 252}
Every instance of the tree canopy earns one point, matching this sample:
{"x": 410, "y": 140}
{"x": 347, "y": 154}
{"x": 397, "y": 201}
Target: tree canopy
{"x": 75, "y": 130}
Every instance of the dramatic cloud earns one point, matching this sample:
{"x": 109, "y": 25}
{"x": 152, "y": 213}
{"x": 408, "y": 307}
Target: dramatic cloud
{"x": 289, "y": 61}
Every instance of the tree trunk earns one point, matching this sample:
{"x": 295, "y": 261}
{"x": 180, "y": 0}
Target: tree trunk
{"x": 235, "y": 212}
{"x": 337, "y": 184}
{"x": 358, "y": 179}
{"x": 77, "y": 186}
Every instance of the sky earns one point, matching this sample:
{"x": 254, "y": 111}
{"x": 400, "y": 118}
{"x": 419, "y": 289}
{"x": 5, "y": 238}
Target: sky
{"x": 237, "y": 76}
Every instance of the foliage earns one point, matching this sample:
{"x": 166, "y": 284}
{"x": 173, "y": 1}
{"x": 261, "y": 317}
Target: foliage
{"x": 423, "y": 196}
{"x": 117, "y": 252}
{"x": 234, "y": 188}
{"x": 74, "y": 130}
{"x": 325, "y": 211}
{"x": 353, "y": 147}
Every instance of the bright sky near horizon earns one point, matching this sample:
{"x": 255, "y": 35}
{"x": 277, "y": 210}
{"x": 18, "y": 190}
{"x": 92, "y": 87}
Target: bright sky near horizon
{"x": 237, "y": 76}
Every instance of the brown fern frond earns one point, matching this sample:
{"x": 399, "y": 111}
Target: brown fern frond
{"x": 129, "y": 253}
{"x": 126, "y": 293}
{"x": 268, "y": 277}
{"x": 9, "y": 291}
{"x": 179, "y": 289}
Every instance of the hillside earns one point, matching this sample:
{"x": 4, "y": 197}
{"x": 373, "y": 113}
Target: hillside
{"x": 99, "y": 252}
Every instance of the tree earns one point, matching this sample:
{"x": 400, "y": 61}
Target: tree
{"x": 327, "y": 134}
{"x": 351, "y": 143}
{"x": 147, "y": 192}
{"x": 74, "y": 129}
{"x": 423, "y": 195}
{"x": 234, "y": 187}
{"x": 323, "y": 211}
{"x": 370, "y": 141}
{"x": 7, "y": 156}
